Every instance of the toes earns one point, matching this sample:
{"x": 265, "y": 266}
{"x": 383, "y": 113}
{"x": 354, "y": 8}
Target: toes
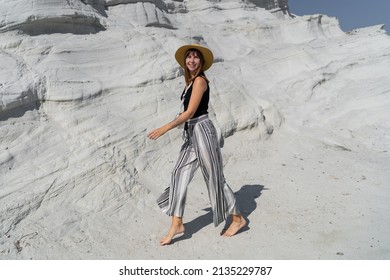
{"x": 168, "y": 238}
{"x": 234, "y": 228}
{"x": 223, "y": 231}
{"x": 165, "y": 241}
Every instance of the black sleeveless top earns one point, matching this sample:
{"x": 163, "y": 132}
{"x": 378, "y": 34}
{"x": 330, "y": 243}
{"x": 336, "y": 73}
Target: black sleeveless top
{"x": 204, "y": 102}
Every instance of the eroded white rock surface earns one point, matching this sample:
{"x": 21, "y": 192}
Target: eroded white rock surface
{"x": 78, "y": 178}
{"x": 40, "y": 16}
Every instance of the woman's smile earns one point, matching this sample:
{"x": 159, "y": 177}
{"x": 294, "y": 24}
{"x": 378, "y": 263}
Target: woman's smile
{"x": 192, "y": 61}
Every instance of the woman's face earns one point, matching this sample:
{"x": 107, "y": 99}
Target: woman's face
{"x": 193, "y": 61}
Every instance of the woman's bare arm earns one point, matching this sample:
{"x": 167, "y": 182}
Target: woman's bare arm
{"x": 199, "y": 87}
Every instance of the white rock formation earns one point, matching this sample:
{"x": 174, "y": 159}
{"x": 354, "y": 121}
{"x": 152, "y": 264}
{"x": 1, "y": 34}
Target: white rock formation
{"x": 82, "y": 82}
{"x": 271, "y": 4}
{"x": 43, "y": 17}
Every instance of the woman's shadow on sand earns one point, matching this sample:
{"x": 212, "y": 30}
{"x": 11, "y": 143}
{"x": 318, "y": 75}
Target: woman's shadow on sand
{"x": 246, "y": 199}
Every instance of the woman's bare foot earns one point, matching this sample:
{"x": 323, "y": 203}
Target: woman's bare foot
{"x": 177, "y": 227}
{"x": 238, "y": 222}
{"x": 167, "y": 239}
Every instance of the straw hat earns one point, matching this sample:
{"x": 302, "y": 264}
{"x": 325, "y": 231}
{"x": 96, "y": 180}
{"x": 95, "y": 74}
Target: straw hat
{"x": 207, "y": 55}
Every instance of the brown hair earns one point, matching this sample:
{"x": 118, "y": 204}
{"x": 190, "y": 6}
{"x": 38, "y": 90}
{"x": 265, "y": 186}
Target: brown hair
{"x": 199, "y": 72}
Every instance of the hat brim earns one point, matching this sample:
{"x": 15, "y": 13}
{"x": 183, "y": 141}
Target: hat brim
{"x": 207, "y": 55}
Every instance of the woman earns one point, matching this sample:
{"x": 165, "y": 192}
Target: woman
{"x": 200, "y": 149}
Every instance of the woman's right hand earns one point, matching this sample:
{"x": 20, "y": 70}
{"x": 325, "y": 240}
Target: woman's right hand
{"x": 158, "y": 132}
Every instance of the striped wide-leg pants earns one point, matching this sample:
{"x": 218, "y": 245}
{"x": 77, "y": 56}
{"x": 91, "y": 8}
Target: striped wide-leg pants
{"x": 200, "y": 149}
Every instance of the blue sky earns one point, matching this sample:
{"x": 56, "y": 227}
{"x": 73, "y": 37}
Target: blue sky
{"x": 351, "y": 14}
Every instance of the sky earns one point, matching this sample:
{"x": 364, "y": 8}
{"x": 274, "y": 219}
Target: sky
{"x": 351, "y": 14}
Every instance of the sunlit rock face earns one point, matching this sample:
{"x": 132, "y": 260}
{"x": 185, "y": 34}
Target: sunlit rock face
{"x": 82, "y": 82}
{"x": 36, "y": 17}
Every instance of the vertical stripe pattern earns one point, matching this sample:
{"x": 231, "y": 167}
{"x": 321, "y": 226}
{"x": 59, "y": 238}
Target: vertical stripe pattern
{"x": 200, "y": 149}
